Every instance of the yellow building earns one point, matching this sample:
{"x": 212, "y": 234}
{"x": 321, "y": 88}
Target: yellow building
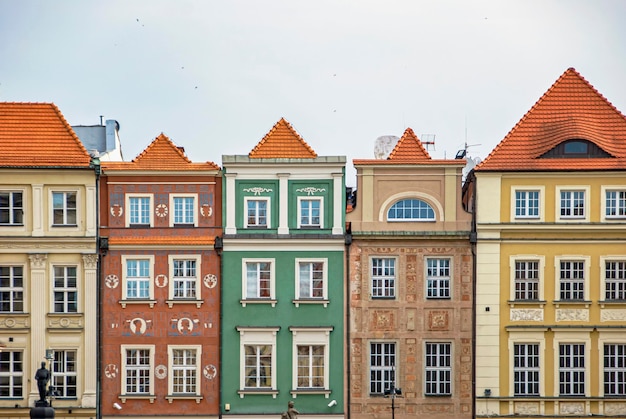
{"x": 48, "y": 262}
{"x": 550, "y": 207}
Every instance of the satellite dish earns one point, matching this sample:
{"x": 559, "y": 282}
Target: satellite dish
{"x": 384, "y": 146}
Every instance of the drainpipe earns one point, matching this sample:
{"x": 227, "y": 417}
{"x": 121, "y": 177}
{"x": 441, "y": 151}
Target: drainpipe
{"x": 348, "y": 242}
{"x": 95, "y": 163}
{"x": 473, "y": 239}
{"x": 218, "y": 246}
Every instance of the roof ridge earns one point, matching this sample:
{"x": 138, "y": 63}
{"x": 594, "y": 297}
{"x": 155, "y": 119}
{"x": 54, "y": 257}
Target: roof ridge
{"x": 69, "y": 128}
{"x": 158, "y": 140}
{"x": 409, "y": 147}
{"x": 286, "y": 144}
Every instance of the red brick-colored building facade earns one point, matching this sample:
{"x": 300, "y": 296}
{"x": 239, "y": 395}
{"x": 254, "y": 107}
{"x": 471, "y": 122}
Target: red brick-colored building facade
{"x": 160, "y": 285}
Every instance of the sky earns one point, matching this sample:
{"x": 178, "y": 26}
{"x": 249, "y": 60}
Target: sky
{"x": 215, "y": 76}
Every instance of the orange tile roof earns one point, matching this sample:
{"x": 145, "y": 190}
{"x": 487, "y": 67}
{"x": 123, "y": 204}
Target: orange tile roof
{"x": 37, "y": 135}
{"x": 163, "y": 155}
{"x": 571, "y": 109}
{"x": 408, "y": 150}
{"x": 282, "y": 141}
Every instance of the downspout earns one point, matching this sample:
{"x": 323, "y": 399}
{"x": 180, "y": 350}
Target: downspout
{"x": 218, "y": 246}
{"x": 473, "y": 240}
{"x": 348, "y": 242}
{"x": 98, "y": 170}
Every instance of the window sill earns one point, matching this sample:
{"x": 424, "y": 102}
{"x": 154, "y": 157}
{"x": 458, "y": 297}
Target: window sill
{"x": 263, "y": 392}
{"x": 171, "y": 397}
{"x": 303, "y": 391}
{"x": 320, "y": 301}
{"x": 64, "y": 225}
{"x": 125, "y": 397}
{"x": 151, "y": 303}
{"x": 139, "y": 226}
{"x": 171, "y": 303}
{"x": 611, "y": 303}
{"x": 558, "y": 303}
{"x": 258, "y": 301}
{"x": 539, "y": 303}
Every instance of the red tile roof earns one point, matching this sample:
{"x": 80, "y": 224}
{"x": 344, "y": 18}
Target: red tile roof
{"x": 163, "y": 155}
{"x": 571, "y": 109}
{"x": 282, "y": 141}
{"x": 408, "y": 150}
{"x": 37, "y": 135}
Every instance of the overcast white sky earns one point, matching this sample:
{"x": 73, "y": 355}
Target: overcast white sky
{"x": 215, "y": 76}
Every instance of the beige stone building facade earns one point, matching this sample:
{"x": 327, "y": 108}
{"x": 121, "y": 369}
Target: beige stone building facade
{"x": 410, "y": 288}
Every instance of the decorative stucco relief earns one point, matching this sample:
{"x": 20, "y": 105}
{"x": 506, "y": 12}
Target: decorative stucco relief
{"x": 572, "y": 314}
{"x": 526, "y": 408}
{"x": 257, "y": 190}
{"x": 311, "y": 190}
{"x": 614, "y": 408}
{"x": 534, "y": 315}
{"x": 572, "y": 408}
{"x": 612, "y": 315}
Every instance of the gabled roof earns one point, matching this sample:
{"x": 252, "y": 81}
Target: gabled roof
{"x": 162, "y": 155}
{"x": 408, "y": 150}
{"x": 571, "y": 109}
{"x": 282, "y": 141}
{"x": 37, "y": 135}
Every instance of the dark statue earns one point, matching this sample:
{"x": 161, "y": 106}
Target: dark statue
{"x": 42, "y": 376}
{"x": 291, "y": 412}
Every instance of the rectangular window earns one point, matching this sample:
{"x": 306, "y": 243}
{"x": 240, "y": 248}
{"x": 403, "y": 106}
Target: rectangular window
{"x": 615, "y": 204}
{"x": 438, "y": 278}
{"x": 184, "y": 371}
{"x": 310, "y": 212}
{"x": 572, "y": 280}
{"x": 572, "y": 204}
{"x": 139, "y": 213}
{"x": 258, "y": 280}
{"x": 383, "y": 278}
{"x": 310, "y": 280}
{"x": 11, "y": 374}
{"x": 438, "y": 369}
{"x": 11, "y": 208}
{"x": 256, "y": 213}
{"x": 64, "y": 373}
{"x": 64, "y": 208}
{"x": 571, "y": 369}
{"x": 137, "y": 371}
{"x": 615, "y": 280}
{"x": 526, "y": 204}
{"x": 615, "y": 370}
{"x": 526, "y": 369}
{"x": 65, "y": 289}
{"x": 185, "y": 279}
{"x": 310, "y": 366}
{"x": 11, "y": 289}
{"x": 382, "y": 367}
{"x": 138, "y": 278}
{"x": 258, "y": 366}
{"x": 526, "y": 280}
{"x": 184, "y": 209}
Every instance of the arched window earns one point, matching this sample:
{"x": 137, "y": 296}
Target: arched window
{"x": 411, "y": 210}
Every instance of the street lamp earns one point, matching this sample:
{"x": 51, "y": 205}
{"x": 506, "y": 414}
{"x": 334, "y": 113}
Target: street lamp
{"x": 393, "y": 392}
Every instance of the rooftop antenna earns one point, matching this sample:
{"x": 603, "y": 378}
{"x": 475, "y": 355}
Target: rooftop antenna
{"x": 461, "y": 154}
{"x": 428, "y": 140}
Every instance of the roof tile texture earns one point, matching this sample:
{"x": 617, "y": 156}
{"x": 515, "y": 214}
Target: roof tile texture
{"x": 37, "y": 135}
{"x": 282, "y": 141}
{"x": 571, "y": 109}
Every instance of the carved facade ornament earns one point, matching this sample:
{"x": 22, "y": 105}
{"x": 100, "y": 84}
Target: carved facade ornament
{"x": 210, "y": 281}
{"x": 111, "y": 371}
{"x": 206, "y": 210}
{"x": 117, "y": 210}
{"x": 258, "y": 190}
{"x": 161, "y": 210}
{"x": 572, "y": 314}
{"x": 111, "y": 281}
{"x": 311, "y": 190}
{"x": 438, "y": 320}
{"x": 571, "y": 408}
{"x": 14, "y": 322}
{"x": 160, "y": 372}
{"x": 185, "y": 325}
{"x": 612, "y": 315}
{"x": 209, "y": 371}
{"x": 160, "y": 280}
{"x": 90, "y": 261}
{"x": 138, "y": 325}
{"x": 614, "y": 409}
{"x": 530, "y": 314}
{"x": 38, "y": 261}
{"x": 526, "y": 408}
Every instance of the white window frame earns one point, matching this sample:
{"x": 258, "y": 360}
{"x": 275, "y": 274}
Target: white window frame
{"x": 150, "y": 259}
{"x": 527, "y": 338}
{"x": 439, "y": 368}
{"x": 268, "y": 215}
{"x": 385, "y": 370}
{"x": 65, "y": 290}
{"x": 586, "y": 205}
{"x": 195, "y": 369}
{"x": 261, "y": 336}
{"x": 14, "y": 374}
{"x": 571, "y": 371}
{"x": 527, "y": 188}
{"x": 172, "y": 282}
{"x": 320, "y": 199}
{"x": 605, "y": 191}
{"x": 13, "y": 291}
{"x": 527, "y": 371}
{"x": 568, "y": 337}
{"x": 613, "y": 337}
{"x": 194, "y": 210}
{"x": 65, "y": 209}
{"x": 298, "y": 297}
{"x": 244, "y": 282}
{"x": 380, "y": 284}
{"x": 619, "y": 282}
{"x": 438, "y": 289}
{"x": 586, "y": 260}
{"x": 411, "y": 219}
{"x": 13, "y": 209}
{"x": 310, "y": 337}
{"x": 128, "y": 211}
{"x": 67, "y": 374}
{"x": 125, "y": 368}
{"x": 513, "y": 259}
